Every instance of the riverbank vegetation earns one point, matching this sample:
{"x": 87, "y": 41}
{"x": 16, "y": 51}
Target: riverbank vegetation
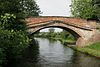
{"x": 13, "y": 36}
{"x": 93, "y": 49}
{"x": 13, "y": 39}
{"x": 63, "y": 36}
{"x": 86, "y": 9}
{"x": 89, "y": 10}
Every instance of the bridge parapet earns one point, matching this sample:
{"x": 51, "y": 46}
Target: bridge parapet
{"x": 81, "y": 23}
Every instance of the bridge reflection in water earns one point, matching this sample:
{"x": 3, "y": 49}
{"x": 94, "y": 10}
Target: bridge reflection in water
{"x": 50, "y": 53}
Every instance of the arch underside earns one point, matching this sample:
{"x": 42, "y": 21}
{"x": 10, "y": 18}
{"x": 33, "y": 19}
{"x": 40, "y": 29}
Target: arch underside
{"x": 76, "y": 35}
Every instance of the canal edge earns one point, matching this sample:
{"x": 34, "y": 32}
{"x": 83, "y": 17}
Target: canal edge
{"x": 84, "y": 50}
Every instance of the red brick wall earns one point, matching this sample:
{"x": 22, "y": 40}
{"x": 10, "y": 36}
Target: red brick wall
{"x": 72, "y": 21}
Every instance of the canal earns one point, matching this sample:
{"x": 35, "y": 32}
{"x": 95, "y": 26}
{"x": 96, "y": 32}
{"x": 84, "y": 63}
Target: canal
{"x": 50, "y": 53}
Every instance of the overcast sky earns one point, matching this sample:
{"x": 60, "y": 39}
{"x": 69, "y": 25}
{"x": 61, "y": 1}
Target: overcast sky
{"x": 54, "y": 8}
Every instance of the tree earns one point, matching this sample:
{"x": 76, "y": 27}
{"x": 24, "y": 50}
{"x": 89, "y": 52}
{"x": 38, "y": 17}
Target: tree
{"x": 10, "y": 22}
{"x": 19, "y": 7}
{"x": 97, "y": 4}
{"x": 51, "y": 32}
{"x": 29, "y": 8}
{"x": 83, "y": 9}
{"x": 13, "y": 40}
{"x": 64, "y": 34}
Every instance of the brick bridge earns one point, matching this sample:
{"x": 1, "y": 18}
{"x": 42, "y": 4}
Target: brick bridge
{"x": 85, "y": 31}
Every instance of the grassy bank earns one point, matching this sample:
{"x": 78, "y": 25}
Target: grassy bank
{"x": 93, "y": 50}
{"x": 60, "y": 39}
{"x": 70, "y": 41}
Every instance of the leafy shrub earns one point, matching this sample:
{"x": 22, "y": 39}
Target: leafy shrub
{"x": 70, "y": 37}
{"x": 13, "y": 39}
{"x": 2, "y": 56}
{"x": 9, "y": 22}
{"x": 13, "y": 42}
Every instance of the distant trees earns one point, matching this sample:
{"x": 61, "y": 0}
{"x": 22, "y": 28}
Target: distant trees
{"x": 51, "y": 32}
{"x": 86, "y": 9}
{"x": 62, "y": 35}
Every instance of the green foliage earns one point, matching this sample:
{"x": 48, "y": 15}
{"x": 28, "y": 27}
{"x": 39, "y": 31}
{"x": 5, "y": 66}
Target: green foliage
{"x": 13, "y": 43}
{"x": 30, "y": 8}
{"x": 83, "y": 9}
{"x": 13, "y": 38}
{"x": 63, "y": 36}
{"x": 89, "y": 51}
{"x": 97, "y": 4}
{"x": 93, "y": 49}
{"x": 51, "y": 32}
{"x": 70, "y": 37}
{"x": 95, "y": 46}
{"x": 9, "y": 21}
{"x": 2, "y": 56}
{"x": 21, "y": 8}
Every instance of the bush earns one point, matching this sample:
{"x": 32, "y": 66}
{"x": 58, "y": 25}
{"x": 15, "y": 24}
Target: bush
{"x": 9, "y": 22}
{"x": 2, "y": 56}
{"x": 13, "y": 43}
{"x": 13, "y": 38}
{"x": 70, "y": 37}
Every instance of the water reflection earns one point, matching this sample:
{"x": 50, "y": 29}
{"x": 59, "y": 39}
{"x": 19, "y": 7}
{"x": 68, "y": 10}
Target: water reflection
{"x": 29, "y": 57}
{"x": 53, "y": 54}
{"x": 50, "y": 53}
{"x": 82, "y": 60}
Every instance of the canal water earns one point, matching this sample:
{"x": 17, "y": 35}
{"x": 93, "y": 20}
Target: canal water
{"x": 50, "y": 53}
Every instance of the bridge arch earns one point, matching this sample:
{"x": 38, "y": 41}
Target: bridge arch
{"x": 75, "y": 34}
{"x": 82, "y": 29}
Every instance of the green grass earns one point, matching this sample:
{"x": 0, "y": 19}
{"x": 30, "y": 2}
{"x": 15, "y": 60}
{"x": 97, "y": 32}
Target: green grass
{"x": 90, "y": 51}
{"x": 93, "y": 50}
{"x": 70, "y": 41}
{"x": 95, "y": 46}
{"x": 65, "y": 40}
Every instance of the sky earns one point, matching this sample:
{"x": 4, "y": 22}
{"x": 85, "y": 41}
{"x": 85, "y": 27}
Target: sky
{"x": 54, "y": 8}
